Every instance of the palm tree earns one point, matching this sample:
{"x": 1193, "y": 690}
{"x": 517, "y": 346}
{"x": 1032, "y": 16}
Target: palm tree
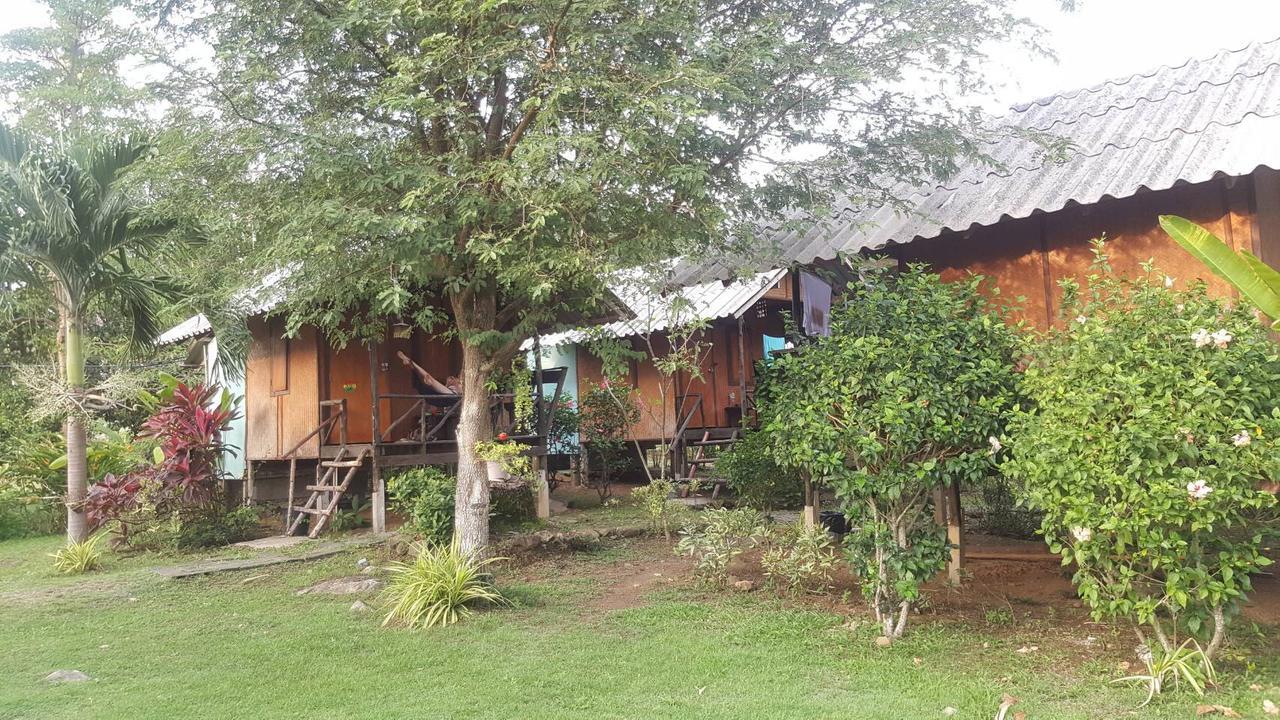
{"x": 68, "y": 226}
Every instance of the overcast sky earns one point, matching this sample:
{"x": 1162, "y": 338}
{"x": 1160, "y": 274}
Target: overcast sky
{"x": 1101, "y": 40}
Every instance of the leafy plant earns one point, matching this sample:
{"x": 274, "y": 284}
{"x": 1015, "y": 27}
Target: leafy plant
{"x": 606, "y": 415}
{"x": 1188, "y": 663}
{"x": 655, "y": 500}
{"x": 350, "y": 519}
{"x": 755, "y": 478}
{"x": 425, "y": 496}
{"x": 438, "y": 587}
{"x": 722, "y": 536}
{"x": 76, "y": 558}
{"x": 181, "y": 482}
{"x": 26, "y": 508}
{"x": 901, "y": 399}
{"x": 801, "y": 559}
{"x": 510, "y": 455}
{"x": 1153, "y": 422}
{"x": 1256, "y": 280}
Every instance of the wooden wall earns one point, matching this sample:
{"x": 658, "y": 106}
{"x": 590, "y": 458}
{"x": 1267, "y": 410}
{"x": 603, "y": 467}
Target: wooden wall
{"x": 282, "y": 390}
{"x": 717, "y": 381}
{"x": 1028, "y": 257}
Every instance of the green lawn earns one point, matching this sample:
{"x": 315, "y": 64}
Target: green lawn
{"x": 235, "y": 647}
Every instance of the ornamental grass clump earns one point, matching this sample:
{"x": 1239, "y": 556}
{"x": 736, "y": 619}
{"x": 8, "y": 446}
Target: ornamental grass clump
{"x": 1152, "y": 427}
{"x": 76, "y": 558}
{"x": 903, "y": 398}
{"x": 439, "y": 587}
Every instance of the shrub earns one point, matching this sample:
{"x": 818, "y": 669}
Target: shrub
{"x": 155, "y": 499}
{"x": 1153, "y": 423}
{"x": 800, "y": 558}
{"x": 26, "y": 508}
{"x": 438, "y": 587}
{"x": 655, "y": 500}
{"x": 900, "y": 400}
{"x": 79, "y": 557}
{"x": 723, "y": 535}
{"x": 755, "y": 478}
{"x": 424, "y": 496}
{"x": 605, "y": 416}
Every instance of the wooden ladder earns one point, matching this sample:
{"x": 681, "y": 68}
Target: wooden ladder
{"x": 327, "y": 492}
{"x": 700, "y": 460}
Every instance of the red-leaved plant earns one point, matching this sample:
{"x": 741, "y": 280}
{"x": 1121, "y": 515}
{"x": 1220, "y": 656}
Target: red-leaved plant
{"x": 189, "y": 425}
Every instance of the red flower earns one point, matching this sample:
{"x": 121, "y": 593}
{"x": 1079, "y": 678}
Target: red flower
{"x": 502, "y": 436}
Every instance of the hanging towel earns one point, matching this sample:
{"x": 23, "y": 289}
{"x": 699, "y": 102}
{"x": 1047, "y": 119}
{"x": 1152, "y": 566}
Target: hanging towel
{"x": 772, "y": 345}
{"x": 815, "y": 293}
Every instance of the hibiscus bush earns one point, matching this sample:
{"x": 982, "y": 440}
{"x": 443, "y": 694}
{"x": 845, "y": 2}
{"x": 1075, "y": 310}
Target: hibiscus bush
{"x": 904, "y": 397}
{"x": 1151, "y": 430}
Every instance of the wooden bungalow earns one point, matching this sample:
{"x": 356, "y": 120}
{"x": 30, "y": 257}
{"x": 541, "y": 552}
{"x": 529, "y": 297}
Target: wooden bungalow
{"x": 322, "y": 421}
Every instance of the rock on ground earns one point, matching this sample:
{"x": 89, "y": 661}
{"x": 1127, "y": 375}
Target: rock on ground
{"x": 66, "y": 676}
{"x": 344, "y": 586}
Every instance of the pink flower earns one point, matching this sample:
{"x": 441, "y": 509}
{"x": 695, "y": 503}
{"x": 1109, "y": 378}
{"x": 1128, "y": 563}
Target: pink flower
{"x": 1241, "y": 439}
{"x": 1222, "y": 338}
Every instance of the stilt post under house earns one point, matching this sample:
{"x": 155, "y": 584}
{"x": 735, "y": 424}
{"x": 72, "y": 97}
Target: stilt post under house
{"x": 375, "y": 469}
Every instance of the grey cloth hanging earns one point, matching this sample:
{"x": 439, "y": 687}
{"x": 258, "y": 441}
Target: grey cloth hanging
{"x": 815, "y": 293}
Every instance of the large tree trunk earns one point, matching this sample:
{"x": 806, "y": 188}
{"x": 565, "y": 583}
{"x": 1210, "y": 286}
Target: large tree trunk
{"x": 77, "y": 451}
{"x": 473, "y": 312}
{"x": 471, "y": 505}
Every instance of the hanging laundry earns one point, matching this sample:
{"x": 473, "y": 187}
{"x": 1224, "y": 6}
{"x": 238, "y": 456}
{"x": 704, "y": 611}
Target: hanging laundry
{"x": 815, "y": 293}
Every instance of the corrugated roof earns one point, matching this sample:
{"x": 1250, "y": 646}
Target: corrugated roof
{"x": 1187, "y": 124}
{"x": 654, "y": 312}
{"x": 194, "y": 326}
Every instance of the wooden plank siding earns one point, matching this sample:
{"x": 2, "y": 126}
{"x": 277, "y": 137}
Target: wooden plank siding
{"x": 282, "y": 390}
{"x": 1028, "y": 257}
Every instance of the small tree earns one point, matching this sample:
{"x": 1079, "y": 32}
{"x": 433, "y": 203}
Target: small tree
{"x": 1153, "y": 421}
{"x": 900, "y": 400}
{"x": 605, "y": 417}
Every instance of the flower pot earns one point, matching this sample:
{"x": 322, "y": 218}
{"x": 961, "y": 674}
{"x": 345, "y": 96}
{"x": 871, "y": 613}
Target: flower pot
{"x": 497, "y": 473}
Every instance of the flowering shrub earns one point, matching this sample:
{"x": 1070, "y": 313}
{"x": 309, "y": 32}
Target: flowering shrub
{"x": 1151, "y": 426}
{"x": 902, "y": 398}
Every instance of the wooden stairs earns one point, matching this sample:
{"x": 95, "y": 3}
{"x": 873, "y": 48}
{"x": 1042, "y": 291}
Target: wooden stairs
{"x": 327, "y": 491}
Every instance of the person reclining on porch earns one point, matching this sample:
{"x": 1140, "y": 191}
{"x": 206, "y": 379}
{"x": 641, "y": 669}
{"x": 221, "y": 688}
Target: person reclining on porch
{"x": 426, "y": 384}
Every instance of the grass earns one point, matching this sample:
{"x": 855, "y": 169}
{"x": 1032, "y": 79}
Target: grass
{"x": 244, "y": 644}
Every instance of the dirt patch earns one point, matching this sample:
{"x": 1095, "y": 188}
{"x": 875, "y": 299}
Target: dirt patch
{"x": 626, "y": 585}
{"x": 85, "y": 588}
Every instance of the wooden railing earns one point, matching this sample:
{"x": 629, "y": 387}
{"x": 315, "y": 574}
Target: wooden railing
{"x": 678, "y": 445}
{"x": 325, "y": 431}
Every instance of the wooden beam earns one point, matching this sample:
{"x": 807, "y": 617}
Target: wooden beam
{"x": 542, "y": 489}
{"x": 811, "y": 512}
{"x": 742, "y": 374}
{"x": 379, "y": 487}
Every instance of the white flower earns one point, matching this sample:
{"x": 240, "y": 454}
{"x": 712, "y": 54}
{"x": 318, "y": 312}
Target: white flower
{"x": 1082, "y": 534}
{"x": 1201, "y": 337}
{"x": 1180, "y": 307}
{"x": 1222, "y": 338}
{"x": 1081, "y": 319}
{"x": 1198, "y": 490}
{"x": 996, "y": 446}
{"x": 1168, "y": 281}
{"x": 1241, "y": 439}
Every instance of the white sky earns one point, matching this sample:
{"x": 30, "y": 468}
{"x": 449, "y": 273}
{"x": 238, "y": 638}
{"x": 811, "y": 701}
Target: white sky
{"x": 1102, "y": 39}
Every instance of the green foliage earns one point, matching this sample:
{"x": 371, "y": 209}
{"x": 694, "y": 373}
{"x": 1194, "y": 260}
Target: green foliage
{"x": 757, "y": 480}
{"x": 800, "y": 558}
{"x": 901, "y": 399}
{"x": 424, "y": 496}
{"x": 1153, "y": 421}
{"x": 1256, "y": 280}
{"x": 1186, "y": 664}
{"x": 1001, "y": 513}
{"x": 439, "y": 587}
{"x": 512, "y": 505}
{"x": 655, "y": 500}
{"x": 25, "y": 507}
{"x": 79, "y": 557}
{"x": 720, "y": 536}
{"x": 511, "y": 456}
{"x": 607, "y": 412}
